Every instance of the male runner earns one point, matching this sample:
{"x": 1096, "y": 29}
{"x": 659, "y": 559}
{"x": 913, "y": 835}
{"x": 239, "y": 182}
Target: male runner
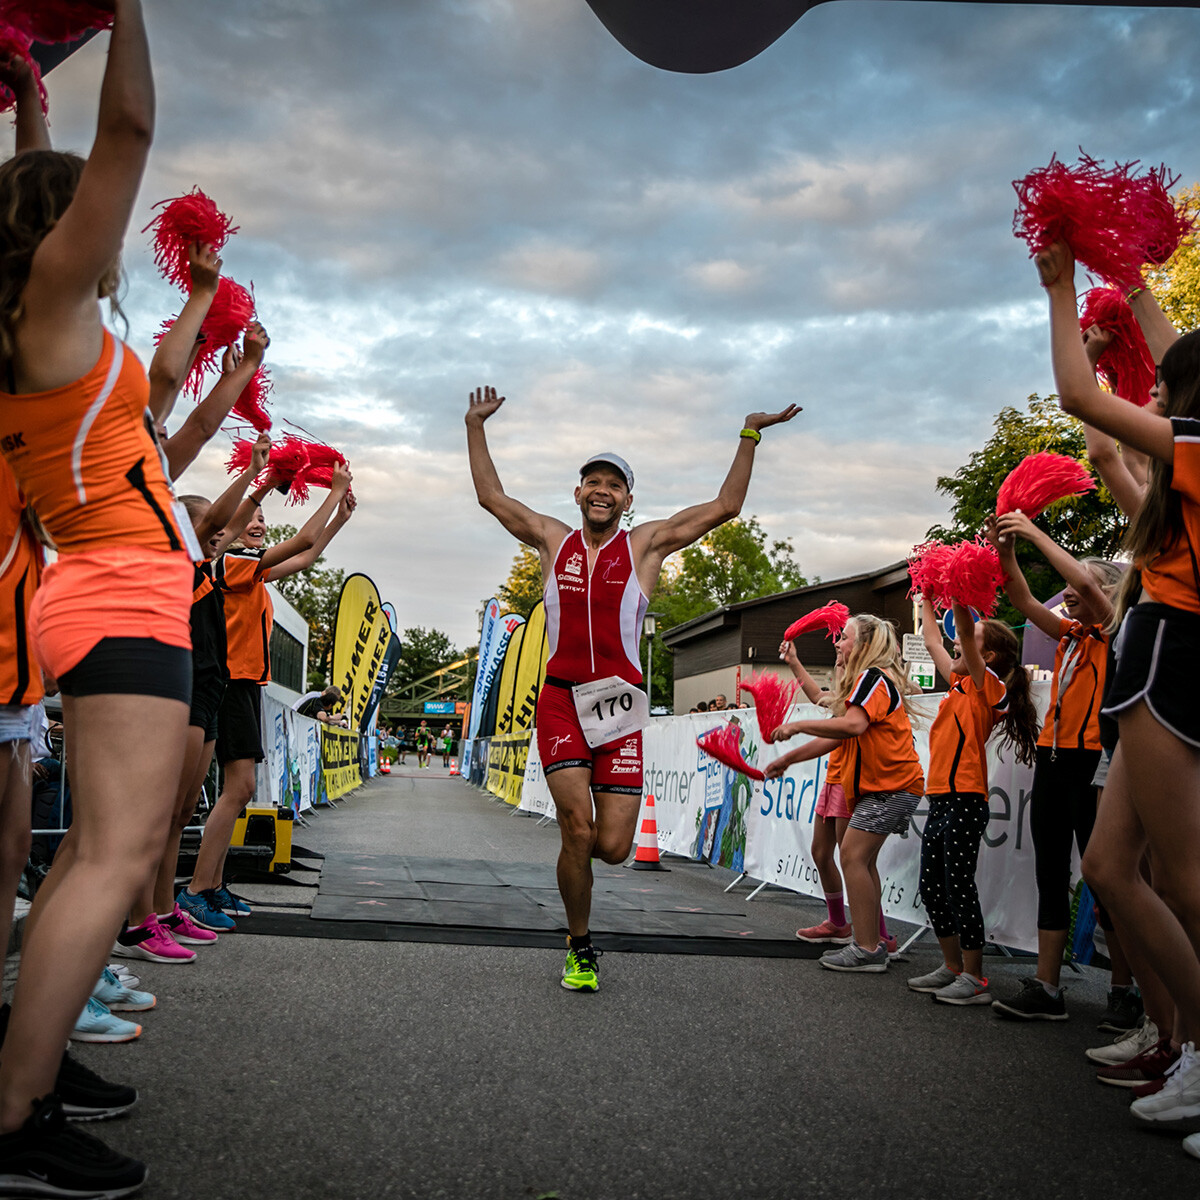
{"x": 424, "y": 744}
{"x": 597, "y": 580}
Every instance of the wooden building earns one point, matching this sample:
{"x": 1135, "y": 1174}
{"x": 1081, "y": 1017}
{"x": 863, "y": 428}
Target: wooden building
{"x": 714, "y": 651}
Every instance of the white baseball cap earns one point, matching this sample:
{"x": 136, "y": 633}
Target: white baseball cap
{"x": 612, "y": 460}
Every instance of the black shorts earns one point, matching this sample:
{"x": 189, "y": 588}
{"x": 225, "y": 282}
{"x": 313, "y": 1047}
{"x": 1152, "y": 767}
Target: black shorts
{"x": 131, "y": 667}
{"x": 239, "y": 722}
{"x": 208, "y": 689}
{"x": 1158, "y": 655}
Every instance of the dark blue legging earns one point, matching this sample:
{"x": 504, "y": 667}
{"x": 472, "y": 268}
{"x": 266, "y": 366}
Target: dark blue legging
{"x": 949, "y": 853}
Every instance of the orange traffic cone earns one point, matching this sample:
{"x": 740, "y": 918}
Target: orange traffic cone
{"x": 454, "y": 767}
{"x": 385, "y": 766}
{"x": 646, "y": 858}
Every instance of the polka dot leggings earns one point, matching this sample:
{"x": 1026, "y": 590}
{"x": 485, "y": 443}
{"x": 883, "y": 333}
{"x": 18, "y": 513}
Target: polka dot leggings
{"x": 949, "y": 852}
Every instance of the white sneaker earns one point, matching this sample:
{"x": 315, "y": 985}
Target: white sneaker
{"x": 1191, "y": 1144}
{"x": 1179, "y": 1099}
{"x": 936, "y": 979}
{"x": 1127, "y": 1046}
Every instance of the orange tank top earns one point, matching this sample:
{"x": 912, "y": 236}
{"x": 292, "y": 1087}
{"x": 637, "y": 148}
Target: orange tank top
{"x": 20, "y": 571}
{"x": 86, "y": 460}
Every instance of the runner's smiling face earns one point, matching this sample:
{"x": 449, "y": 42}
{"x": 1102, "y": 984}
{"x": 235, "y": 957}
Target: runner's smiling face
{"x": 603, "y": 498}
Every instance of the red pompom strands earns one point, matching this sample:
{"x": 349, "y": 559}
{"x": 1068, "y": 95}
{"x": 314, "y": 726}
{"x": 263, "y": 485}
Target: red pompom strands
{"x": 972, "y": 576}
{"x": 321, "y": 461}
{"x": 927, "y": 569}
{"x": 725, "y": 745}
{"x": 831, "y": 618}
{"x": 229, "y": 317}
{"x": 772, "y": 701}
{"x": 1166, "y": 223}
{"x": 56, "y": 20}
{"x": 191, "y": 218}
{"x": 1126, "y": 365}
{"x": 1108, "y": 216}
{"x": 251, "y": 405}
{"x": 16, "y": 44}
{"x": 1039, "y": 481}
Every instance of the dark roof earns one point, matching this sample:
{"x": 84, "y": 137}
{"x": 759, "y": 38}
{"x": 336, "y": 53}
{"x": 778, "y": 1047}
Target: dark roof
{"x": 724, "y": 616}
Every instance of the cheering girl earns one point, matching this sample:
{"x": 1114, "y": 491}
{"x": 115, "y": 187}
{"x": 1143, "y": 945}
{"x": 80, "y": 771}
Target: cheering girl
{"x": 988, "y": 686}
{"x": 1152, "y": 796}
{"x": 881, "y": 774}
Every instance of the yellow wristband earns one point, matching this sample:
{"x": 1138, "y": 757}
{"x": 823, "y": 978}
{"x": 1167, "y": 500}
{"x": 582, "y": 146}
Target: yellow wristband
{"x": 1129, "y": 295}
{"x": 751, "y": 433}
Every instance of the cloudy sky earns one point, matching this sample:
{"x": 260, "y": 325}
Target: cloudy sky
{"x": 438, "y": 194}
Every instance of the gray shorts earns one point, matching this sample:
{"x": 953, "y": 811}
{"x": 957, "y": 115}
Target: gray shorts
{"x": 884, "y": 812}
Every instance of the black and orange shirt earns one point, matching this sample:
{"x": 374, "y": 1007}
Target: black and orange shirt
{"x": 883, "y": 757}
{"x": 1173, "y": 575}
{"x": 248, "y": 614}
{"x": 1076, "y": 688}
{"x": 958, "y": 737}
{"x": 85, "y": 458}
{"x": 835, "y": 762}
{"x": 20, "y": 571}
{"x": 209, "y": 648}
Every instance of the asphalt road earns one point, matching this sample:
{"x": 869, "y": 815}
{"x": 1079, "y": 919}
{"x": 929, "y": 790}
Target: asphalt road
{"x": 292, "y": 1068}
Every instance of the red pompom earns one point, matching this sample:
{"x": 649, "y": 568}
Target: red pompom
{"x": 251, "y": 405}
{"x": 1040, "y": 480}
{"x": 56, "y": 20}
{"x": 1105, "y": 215}
{"x": 1166, "y": 223}
{"x": 15, "y": 44}
{"x": 725, "y": 745}
{"x": 321, "y": 461}
{"x": 289, "y": 462}
{"x": 973, "y": 576}
{"x": 772, "y": 701}
{"x": 831, "y": 618}
{"x": 1125, "y": 365}
{"x": 927, "y": 568}
{"x": 190, "y": 218}
{"x": 239, "y": 456}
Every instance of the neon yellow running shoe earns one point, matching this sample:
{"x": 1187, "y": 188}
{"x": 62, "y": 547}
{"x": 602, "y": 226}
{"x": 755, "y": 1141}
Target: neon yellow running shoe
{"x": 581, "y": 972}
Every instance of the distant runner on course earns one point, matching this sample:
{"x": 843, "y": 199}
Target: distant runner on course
{"x": 591, "y": 712}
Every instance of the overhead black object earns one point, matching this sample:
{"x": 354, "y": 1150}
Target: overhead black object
{"x": 700, "y": 36}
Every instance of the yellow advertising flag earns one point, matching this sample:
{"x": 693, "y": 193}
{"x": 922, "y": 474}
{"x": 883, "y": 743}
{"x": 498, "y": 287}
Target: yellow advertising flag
{"x": 531, "y": 669}
{"x": 508, "y": 674}
{"x": 360, "y": 640}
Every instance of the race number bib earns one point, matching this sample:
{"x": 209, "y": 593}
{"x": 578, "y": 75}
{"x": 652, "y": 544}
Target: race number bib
{"x": 190, "y": 544}
{"x": 609, "y": 709}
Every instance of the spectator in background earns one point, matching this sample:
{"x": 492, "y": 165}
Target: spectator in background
{"x": 324, "y": 706}
{"x": 720, "y": 704}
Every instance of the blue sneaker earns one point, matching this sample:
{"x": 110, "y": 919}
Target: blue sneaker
{"x": 205, "y": 910}
{"x": 97, "y": 1024}
{"x": 231, "y": 905}
{"x": 116, "y": 997}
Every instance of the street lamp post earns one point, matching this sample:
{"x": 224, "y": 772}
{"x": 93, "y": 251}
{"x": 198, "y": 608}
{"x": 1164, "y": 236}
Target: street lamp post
{"x": 649, "y": 625}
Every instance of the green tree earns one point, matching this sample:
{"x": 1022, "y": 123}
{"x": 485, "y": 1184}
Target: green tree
{"x": 521, "y": 591}
{"x": 733, "y": 563}
{"x": 1176, "y": 284}
{"x": 1086, "y": 525}
{"x": 314, "y": 595}
{"x": 422, "y": 651}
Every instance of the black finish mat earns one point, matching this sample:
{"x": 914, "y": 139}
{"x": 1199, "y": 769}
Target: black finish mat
{"x": 382, "y": 897}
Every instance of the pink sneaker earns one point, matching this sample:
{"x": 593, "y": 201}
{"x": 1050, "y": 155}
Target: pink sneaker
{"x": 152, "y": 941}
{"x": 893, "y": 946}
{"x": 827, "y": 931}
{"x": 186, "y": 931}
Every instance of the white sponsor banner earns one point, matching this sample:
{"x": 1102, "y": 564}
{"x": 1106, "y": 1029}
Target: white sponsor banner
{"x": 535, "y": 795}
{"x": 705, "y": 810}
{"x": 779, "y": 831}
{"x": 290, "y": 775}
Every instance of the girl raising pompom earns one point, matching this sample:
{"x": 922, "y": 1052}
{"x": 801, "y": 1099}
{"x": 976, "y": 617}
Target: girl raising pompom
{"x": 881, "y": 773}
{"x": 1062, "y": 806}
{"x": 988, "y": 687}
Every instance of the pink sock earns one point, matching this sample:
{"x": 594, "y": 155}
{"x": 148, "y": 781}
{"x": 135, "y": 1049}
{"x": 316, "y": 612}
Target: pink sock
{"x": 837, "y": 908}
{"x": 883, "y": 929}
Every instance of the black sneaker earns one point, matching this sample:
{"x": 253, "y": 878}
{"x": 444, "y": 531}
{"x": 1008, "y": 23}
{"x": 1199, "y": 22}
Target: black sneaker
{"x": 1033, "y": 1003}
{"x": 1124, "y": 1010}
{"x": 87, "y": 1097}
{"x": 48, "y": 1157}
{"x": 84, "y": 1095}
